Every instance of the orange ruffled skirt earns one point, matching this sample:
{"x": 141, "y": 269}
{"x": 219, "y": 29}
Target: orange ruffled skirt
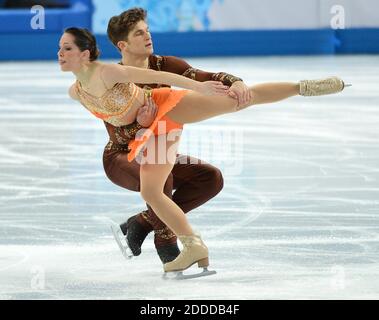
{"x": 166, "y": 99}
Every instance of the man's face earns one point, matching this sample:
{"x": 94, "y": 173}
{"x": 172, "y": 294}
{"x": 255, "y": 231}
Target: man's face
{"x": 139, "y": 41}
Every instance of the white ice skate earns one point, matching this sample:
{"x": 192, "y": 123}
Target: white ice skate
{"x": 179, "y": 275}
{"x": 194, "y": 252}
{"x": 122, "y": 241}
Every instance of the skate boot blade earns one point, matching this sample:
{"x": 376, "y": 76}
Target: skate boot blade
{"x": 121, "y": 241}
{"x": 179, "y": 275}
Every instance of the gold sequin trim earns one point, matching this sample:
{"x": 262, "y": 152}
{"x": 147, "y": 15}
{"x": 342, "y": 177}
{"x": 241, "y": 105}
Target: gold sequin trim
{"x": 145, "y": 215}
{"x": 225, "y": 78}
{"x": 165, "y": 233}
{"x": 111, "y": 146}
{"x": 148, "y": 92}
{"x": 132, "y": 130}
{"x": 159, "y": 62}
{"x": 190, "y": 73}
{"x": 119, "y": 136}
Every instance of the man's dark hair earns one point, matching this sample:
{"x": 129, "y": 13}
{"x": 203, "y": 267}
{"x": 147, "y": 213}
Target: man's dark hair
{"x": 120, "y": 26}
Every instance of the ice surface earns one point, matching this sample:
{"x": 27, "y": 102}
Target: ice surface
{"x": 298, "y": 217}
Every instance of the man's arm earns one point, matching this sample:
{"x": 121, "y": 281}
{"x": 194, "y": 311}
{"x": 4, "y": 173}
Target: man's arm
{"x": 179, "y": 66}
{"x": 237, "y": 88}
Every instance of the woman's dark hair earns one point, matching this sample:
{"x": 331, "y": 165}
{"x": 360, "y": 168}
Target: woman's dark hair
{"x": 120, "y": 26}
{"x": 85, "y": 40}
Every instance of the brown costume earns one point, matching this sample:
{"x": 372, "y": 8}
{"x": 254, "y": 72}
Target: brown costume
{"x": 194, "y": 182}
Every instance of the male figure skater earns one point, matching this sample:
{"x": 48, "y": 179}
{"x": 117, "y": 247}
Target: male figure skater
{"x": 194, "y": 181}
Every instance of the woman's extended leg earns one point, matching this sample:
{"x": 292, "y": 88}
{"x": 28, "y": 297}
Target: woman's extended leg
{"x": 196, "y": 107}
{"x": 272, "y": 92}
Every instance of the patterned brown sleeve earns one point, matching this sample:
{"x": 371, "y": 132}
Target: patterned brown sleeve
{"x": 179, "y": 66}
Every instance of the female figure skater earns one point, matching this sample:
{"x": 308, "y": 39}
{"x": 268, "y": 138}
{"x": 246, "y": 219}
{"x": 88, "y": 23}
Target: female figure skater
{"x": 108, "y": 91}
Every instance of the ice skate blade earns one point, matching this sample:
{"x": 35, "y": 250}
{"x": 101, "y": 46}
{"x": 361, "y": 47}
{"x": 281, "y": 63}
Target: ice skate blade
{"x": 178, "y": 275}
{"x": 119, "y": 237}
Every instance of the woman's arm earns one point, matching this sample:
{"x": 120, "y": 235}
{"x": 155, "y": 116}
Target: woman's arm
{"x": 113, "y": 74}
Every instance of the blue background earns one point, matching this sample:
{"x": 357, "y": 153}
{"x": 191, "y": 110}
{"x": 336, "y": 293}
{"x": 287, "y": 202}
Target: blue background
{"x": 18, "y": 41}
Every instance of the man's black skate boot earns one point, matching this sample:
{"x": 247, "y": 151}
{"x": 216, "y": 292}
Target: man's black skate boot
{"x": 168, "y": 252}
{"x": 165, "y": 242}
{"x": 135, "y": 234}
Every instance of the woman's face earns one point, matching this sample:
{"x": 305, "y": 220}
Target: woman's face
{"x": 70, "y": 57}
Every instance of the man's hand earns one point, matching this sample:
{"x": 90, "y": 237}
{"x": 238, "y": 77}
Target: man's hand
{"x": 147, "y": 113}
{"x": 241, "y": 92}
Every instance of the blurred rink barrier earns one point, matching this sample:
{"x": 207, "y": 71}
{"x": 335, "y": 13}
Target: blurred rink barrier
{"x": 30, "y": 30}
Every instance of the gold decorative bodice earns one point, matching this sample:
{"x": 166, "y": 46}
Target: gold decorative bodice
{"x": 113, "y": 105}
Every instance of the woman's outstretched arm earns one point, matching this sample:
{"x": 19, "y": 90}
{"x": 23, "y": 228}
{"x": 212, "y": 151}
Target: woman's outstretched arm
{"x": 113, "y": 74}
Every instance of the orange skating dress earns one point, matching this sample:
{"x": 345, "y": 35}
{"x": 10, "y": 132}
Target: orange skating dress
{"x": 115, "y": 103}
